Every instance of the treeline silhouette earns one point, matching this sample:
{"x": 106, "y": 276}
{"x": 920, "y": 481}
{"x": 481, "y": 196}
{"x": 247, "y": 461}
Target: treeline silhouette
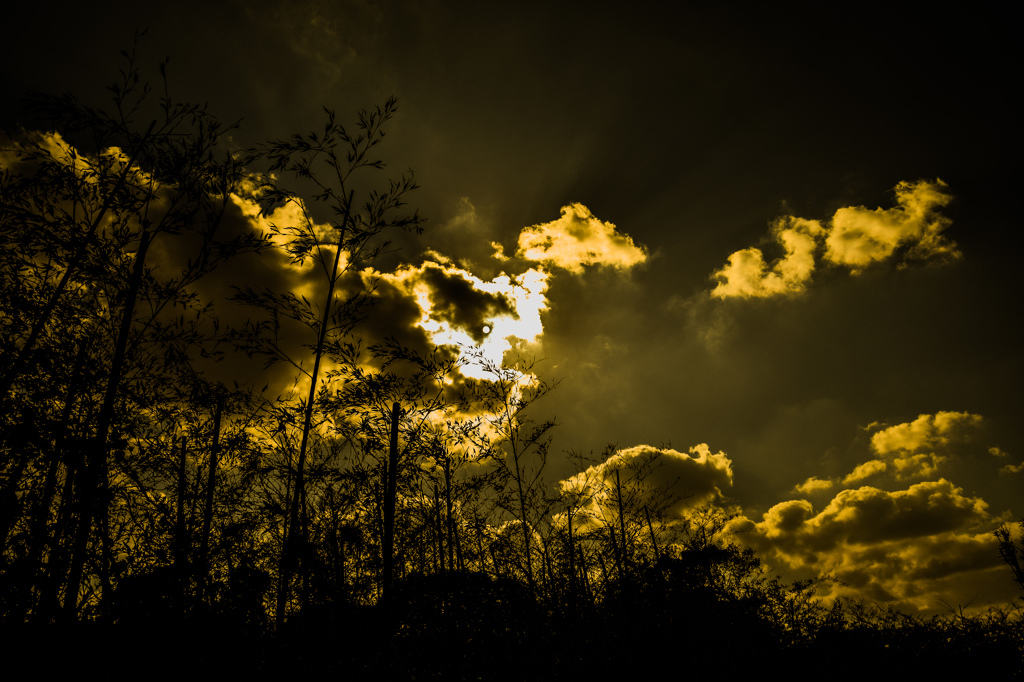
{"x": 387, "y": 516}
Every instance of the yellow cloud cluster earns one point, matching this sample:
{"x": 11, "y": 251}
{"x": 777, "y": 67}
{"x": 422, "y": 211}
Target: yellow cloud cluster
{"x": 906, "y": 451}
{"x": 925, "y": 432}
{"x": 855, "y": 238}
{"x": 904, "y": 547}
{"x": 860, "y": 237}
{"x": 912, "y": 546}
{"x": 748, "y": 276}
{"x": 577, "y": 239}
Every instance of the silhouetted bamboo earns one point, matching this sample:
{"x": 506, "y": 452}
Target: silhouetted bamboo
{"x": 389, "y": 505}
{"x": 211, "y": 484}
{"x": 448, "y": 508}
{"x": 438, "y": 531}
{"x": 622, "y": 525}
{"x": 297, "y": 520}
{"x": 95, "y": 483}
{"x": 654, "y": 539}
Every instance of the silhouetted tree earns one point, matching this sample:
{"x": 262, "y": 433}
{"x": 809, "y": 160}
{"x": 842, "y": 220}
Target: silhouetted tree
{"x": 357, "y": 231}
{"x": 1012, "y": 552}
{"x": 84, "y": 206}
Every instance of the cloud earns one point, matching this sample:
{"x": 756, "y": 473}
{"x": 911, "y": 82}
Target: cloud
{"x": 921, "y": 465}
{"x": 864, "y": 471}
{"x": 854, "y": 238}
{"x": 578, "y": 239}
{"x": 907, "y": 546}
{"x": 859, "y": 236}
{"x": 814, "y": 485}
{"x": 456, "y": 298}
{"x": 925, "y": 432}
{"x": 458, "y": 309}
{"x": 663, "y": 477}
{"x": 748, "y": 276}
{"x": 899, "y": 449}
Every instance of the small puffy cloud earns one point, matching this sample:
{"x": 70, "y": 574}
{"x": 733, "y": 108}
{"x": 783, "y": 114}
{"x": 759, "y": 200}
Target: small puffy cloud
{"x": 1006, "y": 468}
{"x": 926, "y": 432}
{"x": 854, "y": 238}
{"x": 578, "y": 239}
{"x": 785, "y": 518}
{"x": 748, "y": 276}
{"x": 859, "y": 236}
{"x": 814, "y": 485}
{"x": 864, "y": 471}
{"x": 921, "y": 465}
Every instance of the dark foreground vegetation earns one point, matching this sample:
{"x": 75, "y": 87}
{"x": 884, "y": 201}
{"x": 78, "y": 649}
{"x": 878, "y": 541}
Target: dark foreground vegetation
{"x": 389, "y": 517}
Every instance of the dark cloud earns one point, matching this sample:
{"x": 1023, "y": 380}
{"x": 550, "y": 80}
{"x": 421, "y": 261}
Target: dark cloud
{"x": 457, "y": 301}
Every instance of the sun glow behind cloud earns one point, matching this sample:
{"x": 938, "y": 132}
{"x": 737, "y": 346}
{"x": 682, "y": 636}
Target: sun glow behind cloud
{"x": 459, "y": 309}
{"x": 526, "y": 297}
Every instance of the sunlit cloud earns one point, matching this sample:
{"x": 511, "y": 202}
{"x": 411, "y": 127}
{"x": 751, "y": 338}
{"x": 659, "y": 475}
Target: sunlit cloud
{"x": 459, "y": 309}
{"x": 865, "y": 471}
{"x": 921, "y": 465}
{"x": 748, "y": 276}
{"x": 859, "y": 236}
{"x": 657, "y": 477}
{"x": 575, "y": 240}
{"x": 886, "y": 545}
{"x": 925, "y": 432}
{"x": 854, "y": 238}
{"x": 814, "y": 485}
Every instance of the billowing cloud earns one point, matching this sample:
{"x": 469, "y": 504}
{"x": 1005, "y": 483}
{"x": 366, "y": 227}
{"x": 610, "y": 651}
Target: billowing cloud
{"x": 854, "y": 238}
{"x": 578, "y": 239}
{"x": 905, "y": 546}
{"x": 748, "y": 276}
{"x": 927, "y": 432}
{"x": 663, "y": 477}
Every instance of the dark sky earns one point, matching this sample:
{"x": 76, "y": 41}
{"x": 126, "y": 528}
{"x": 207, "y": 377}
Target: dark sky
{"x": 865, "y": 408}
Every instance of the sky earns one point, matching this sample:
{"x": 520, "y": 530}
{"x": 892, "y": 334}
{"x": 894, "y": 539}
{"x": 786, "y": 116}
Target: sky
{"x": 770, "y": 248}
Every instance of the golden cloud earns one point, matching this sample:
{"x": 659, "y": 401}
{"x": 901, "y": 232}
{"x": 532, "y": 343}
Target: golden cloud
{"x": 925, "y": 432}
{"x": 658, "y": 477}
{"x": 864, "y": 471}
{"x": 813, "y": 485}
{"x": 748, "y": 276}
{"x": 859, "y": 236}
{"x": 854, "y": 238}
{"x": 577, "y": 239}
{"x": 902, "y": 546}
{"x": 459, "y": 309}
